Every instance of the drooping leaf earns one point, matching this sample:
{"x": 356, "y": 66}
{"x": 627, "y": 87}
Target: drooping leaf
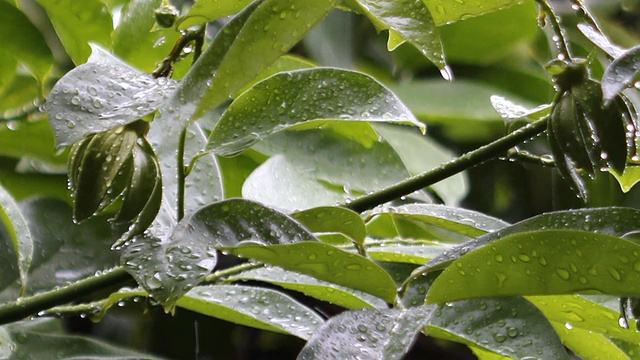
{"x": 15, "y": 31}
{"x": 327, "y": 219}
{"x": 411, "y": 21}
{"x": 322, "y": 290}
{"x": 588, "y": 344}
{"x": 253, "y": 306}
{"x": 292, "y": 98}
{"x": 366, "y": 333}
{"x": 283, "y": 24}
{"x": 16, "y": 239}
{"x": 510, "y": 327}
{"x": 621, "y": 73}
{"x": 68, "y": 16}
{"x": 544, "y": 262}
{"x": 102, "y": 94}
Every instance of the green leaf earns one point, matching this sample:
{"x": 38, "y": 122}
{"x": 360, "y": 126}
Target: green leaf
{"x": 15, "y": 31}
{"x": 19, "y": 94}
{"x": 283, "y": 24}
{"x": 628, "y": 179}
{"x": 411, "y": 21}
{"x": 328, "y": 219}
{"x": 411, "y": 147}
{"x": 16, "y": 239}
{"x": 168, "y": 269}
{"x": 614, "y": 221}
{"x": 17, "y": 142}
{"x": 621, "y": 73}
{"x": 209, "y": 10}
{"x": 374, "y": 333}
{"x": 133, "y": 40}
{"x": 600, "y": 40}
{"x": 283, "y": 64}
{"x": 545, "y": 262}
{"x": 511, "y": 327}
{"x": 292, "y": 98}
{"x": 588, "y": 344}
{"x": 321, "y": 290}
{"x": 79, "y": 23}
{"x": 410, "y": 251}
{"x": 323, "y": 262}
{"x": 253, "y": 306}
{"x": 103, "y": 94}
{"x": 446, "y": 12}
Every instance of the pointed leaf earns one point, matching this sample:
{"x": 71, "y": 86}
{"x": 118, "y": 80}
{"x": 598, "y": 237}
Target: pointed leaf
{"x": 507, "y": 326}
{"x": 253, "y": 306}
{"x": 321, "y": 290}
{"x": 621, "y": 73}
{"x": 283, "y": 24}
{"x": 100, "y": 95}
{"x": 328, "y": 219}
{"x": 545, "y": 262}
{"x": 588, "y": 344}
{"x": 16, "y": 239}
{"x": 600, "y": 40}
{"x": 366, "y": 334}
{"x": 291, "y": 98}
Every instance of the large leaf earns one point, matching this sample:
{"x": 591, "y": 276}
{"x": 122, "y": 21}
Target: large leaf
{"x": 253, "y": 306}
{"x": 100, "y": 95}
{"x": 292, "y": 98}
{"x": 208, "y": 10}
{"x": 621, "y": 73}
{"x": 366, "y": 334}
{"x": 330, "y": 219}
{"x": 446, "y": 12}
{"x": 283, "y": 24}
{"x": 77, "y": 23}
{"x": 322, "y": 290}
{"x": 15, "y": 31}
{"x": 409, "y": 21}
{"x": 545, "y": 262}
{"x": 17, "y": 241}
{"x": 18, "y": 142}
{"x": 588, "y": 344}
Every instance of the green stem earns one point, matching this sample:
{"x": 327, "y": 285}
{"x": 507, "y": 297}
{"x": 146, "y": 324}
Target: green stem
{"x": 466, "y": 161}
{"x": 560, "y": 38}
{"x": 27, "y": 306}
{"x": 182, "y": 176}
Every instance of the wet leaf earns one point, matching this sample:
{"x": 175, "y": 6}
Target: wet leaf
{"x": 168, "y": 269}
{"x": 511, "y": 111}
{"x": 102, "y": 94}
{"x": 600, "y": 40}
{"x": 614, "y": 221}
{"x": 366, "y": 334}
{"x": 409, "y": 251}
{"x": 292, "y": 98}
{"x": 36, "y": 57}
{"x": 328, "y": 219}
{"x": 283, "y": 24}
{"x": 67, "y": 16}
{"x": 621, "y": 73}
{"x": 16, "y": 240}
{"x": 411, "y": 21}
{"x": 510, "y": 327}
{"x": 209, "y": 10}
{"x": 588, "y": 344}
{"x": 323, "y": 262}
{"x": 446, "y": 12}
{"x": 545, "y": 262}
{"x": 253, "y": 306}
{"x": 321, "y": 290}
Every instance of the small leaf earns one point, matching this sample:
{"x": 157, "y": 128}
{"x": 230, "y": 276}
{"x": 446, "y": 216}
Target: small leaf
{"x": 621, "y": 73}
{"x": 321, "y": 290}
{"x": 367, "y": 333}
{"x": 16, "y": 238}
{"x": 545, "y": 262}
{"x": 628, "y": 179}
{"x": 327, "y": 219}
{"x": 600, "y": 40}
{"x": 253, "y": 306}
{"x": 301, "y": 96}
{"x": 102, "y": 94}
{"x": 323, "y": 262}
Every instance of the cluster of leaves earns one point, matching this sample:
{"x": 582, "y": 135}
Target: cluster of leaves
{"x": 247, "y": 153}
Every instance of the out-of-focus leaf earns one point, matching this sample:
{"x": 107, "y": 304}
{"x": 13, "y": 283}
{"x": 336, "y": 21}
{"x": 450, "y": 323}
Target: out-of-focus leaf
{"x": 507, "y": 326}
{"x": 79, "y": 23}
{"x": 327, "y": 219}
{"x": 545, "y": 262}
{"x": 18, "y": 95}
{"x": 15, "y": 31}
{"x": 8, "y": 67}
{"x": 446, "y": 12}
{"x": 133, "y": 40}
{"x": 322, "y": 290}
{"x": 511, "y": 111}
{"x": 412, "y": 148}
{"x": 18, "y": 142}
{"x": 366, "y": 333}
{"x": 17, "y": 241}
{"x": 209, "y": 10}
{"x": 235, "y": 170}
{"x": 22, "y": 186}
{"x": 103, "y": 94}
{"x": 410, "y": 21}
{"x": 284, "y": 63}
{"x": 292, "y": 98}
{"x": 332, "y": 42}
{"x": 253, "y": 306}
{"x": 621, "y": 73}
{"x": 283, "y": 24}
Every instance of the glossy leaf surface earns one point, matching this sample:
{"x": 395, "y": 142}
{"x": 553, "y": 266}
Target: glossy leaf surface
{"x": 16, "y": 239}
{"x": 329, "y": 219}
{"x": 621, "y": 73}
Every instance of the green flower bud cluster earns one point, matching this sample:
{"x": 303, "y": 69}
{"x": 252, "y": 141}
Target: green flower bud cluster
{"x": 116, "y": 169}
{"x": 585, "y": 134}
